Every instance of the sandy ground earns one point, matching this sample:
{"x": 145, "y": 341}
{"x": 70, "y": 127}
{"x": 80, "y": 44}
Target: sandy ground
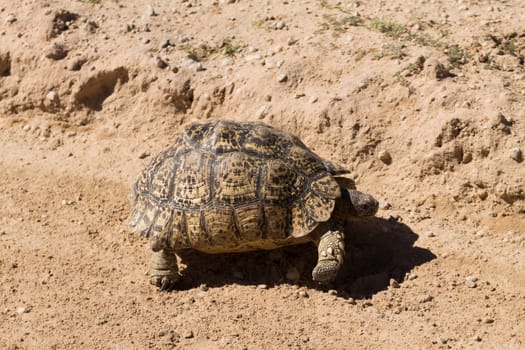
{"x": 423, "y": 102}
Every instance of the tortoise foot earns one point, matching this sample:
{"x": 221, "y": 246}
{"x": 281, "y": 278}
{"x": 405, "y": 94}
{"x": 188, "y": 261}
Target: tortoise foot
{"x": 164, "y": 271}
{"x": 331, "y": 251}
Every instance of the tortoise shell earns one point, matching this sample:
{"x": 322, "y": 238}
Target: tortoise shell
{"x": 234, "y": 186}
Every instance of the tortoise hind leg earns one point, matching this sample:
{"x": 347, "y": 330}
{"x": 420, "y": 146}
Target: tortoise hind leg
{"x": 331, "y": 249}
{"x": 164, "y": 271}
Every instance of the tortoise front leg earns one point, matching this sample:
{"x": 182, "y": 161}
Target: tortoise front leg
{"x": 164, "y": 271}
{"x": 331, "y": 249}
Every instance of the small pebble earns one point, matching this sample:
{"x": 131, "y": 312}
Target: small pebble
{"x": 394, "y": 283}
{"x": 435, "y": 70}
{"x": 394, "y": 217}
{"x": 56, "y": 52}
{"x": 262, "y": 286}
{"x": 144, "y": 154}
{"x": 516, "y": 154}
{"x": 77, "y": 64}
{"x": 167, "y": 44}
{"x": 150, "y": 11}
{"x": 292, "y": 41}
{"x": 303, "y": 294}
{"x": 482, "y": 194}
{"x": 471, "y": 284}
{"x": 161, "y": 63}
{"x": 384, "y": 204}
{"x": 188, "y": 334}
{"x": 471, "y": 279}
{"x": 263, "y": 111}
{"x": 279, "y": 25}
{"x": 385, "y": 157}
{"x": 476, "y": 338}
{"x": 22, "y": 309}
{"x": 488, "y": 320}
{"x": 314, "y": 99}
{"x": 190, "y": 64}
{"x": 10, "y": 18}
{"x": 52, "y": 96}
{"x": 281, "y": 78}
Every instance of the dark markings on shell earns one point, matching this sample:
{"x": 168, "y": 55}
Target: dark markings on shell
{"x": 236, "y": 230}
{"x": 194, "y": 133}
{"x": 270, "y": 184}
{"x": 204, "y": 228}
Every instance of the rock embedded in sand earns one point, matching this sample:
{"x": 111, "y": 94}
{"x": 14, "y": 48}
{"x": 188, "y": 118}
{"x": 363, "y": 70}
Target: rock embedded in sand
{"x": 161, "y": 63}
{"x": 150, "y": 11}
{"x": 488, "y": 320}
{"x": 385, "y": 157}
{"x": 279, "y": 25}
{"x": 281, "y": 78}
{"x": 470, "y": 281}
{"x": 435, "y": 69}
{"x": 516, "y": 154}
{"x": 10, "y": 18}
{"x": 56, "y": 52}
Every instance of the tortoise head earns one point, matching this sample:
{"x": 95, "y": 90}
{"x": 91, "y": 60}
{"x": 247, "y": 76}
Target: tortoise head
{"x": 359, "y": 204}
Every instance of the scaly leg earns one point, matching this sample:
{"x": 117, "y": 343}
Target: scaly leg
{"x": 331, "y": 249}
{"x": 164, "y": 271}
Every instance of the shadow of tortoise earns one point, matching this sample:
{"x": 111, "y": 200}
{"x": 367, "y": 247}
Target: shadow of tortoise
{"x": 377, "y": 250}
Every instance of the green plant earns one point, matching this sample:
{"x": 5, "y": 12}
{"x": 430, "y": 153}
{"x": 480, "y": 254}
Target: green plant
{"x": 228, "y": 48}
{"x": 443, "y": 33}
{"x": 509, "y": 47}
{"x": 337, "y": 6}
{"x": 339, "y": 25}
{"x": 456, "y": 56}
{"x": 417, "y": 18}
{"x": 389, "y": 28}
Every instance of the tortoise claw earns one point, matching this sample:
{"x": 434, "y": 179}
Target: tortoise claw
{"x": 164, "y": 283}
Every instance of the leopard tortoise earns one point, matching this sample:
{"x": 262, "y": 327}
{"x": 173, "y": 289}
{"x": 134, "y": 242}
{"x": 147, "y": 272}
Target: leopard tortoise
{"x": 239, "y": 186}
